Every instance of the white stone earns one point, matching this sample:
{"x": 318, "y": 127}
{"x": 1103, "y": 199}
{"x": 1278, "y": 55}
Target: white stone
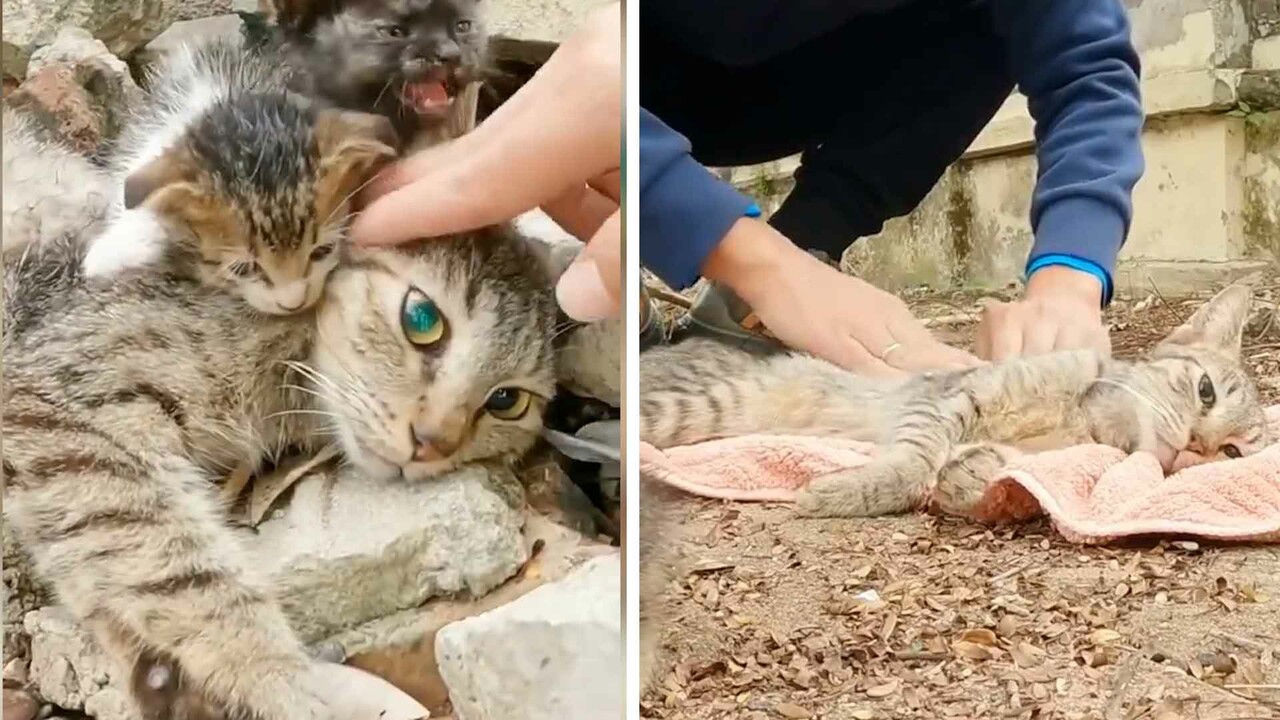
{"x": 74, "y": 45}
{"x": 1266, "y": 53}
{"x": 187, "y": 32}
{"x": 555, "y": 653}
{"x": 124, "y": 25}
{"x": 68, "y": 668}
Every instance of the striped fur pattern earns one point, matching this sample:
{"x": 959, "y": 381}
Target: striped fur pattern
{"x": 226, "y": 175}
{"x": 943, "y": 435}
{"x": 124, "y": 399}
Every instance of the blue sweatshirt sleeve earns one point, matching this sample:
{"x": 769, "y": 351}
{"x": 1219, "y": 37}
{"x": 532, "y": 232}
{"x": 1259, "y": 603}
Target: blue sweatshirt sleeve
{"x": 684, "y": 209}
{"x": 1077, "y": 66}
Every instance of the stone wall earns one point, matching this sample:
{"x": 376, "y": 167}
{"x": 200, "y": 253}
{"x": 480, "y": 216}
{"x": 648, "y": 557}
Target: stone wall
{"x": 1208, "y": 208}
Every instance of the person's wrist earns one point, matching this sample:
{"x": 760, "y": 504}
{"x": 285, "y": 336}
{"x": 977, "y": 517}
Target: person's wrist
{"x": 749, "y": 258}
{"x": 1062, "y": 282}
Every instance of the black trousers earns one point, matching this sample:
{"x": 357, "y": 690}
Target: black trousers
{"x": 879, "y": 107}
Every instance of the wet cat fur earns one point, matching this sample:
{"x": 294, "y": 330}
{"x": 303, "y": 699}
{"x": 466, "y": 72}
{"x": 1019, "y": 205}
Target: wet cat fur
{"x": 943, "y": 435}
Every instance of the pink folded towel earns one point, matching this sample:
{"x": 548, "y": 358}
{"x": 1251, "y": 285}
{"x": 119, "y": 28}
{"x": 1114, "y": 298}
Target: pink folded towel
{"x": 1093, "y": 493}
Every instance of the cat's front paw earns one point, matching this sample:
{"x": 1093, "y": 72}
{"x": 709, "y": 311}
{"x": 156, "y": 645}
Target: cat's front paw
{"x": 867, "y": 491}
{"x": 962, "y": 482}
{"x": 164, "y": 691}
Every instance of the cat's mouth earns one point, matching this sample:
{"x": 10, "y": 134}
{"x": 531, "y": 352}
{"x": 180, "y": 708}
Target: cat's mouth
{"x": 432, "y": 95}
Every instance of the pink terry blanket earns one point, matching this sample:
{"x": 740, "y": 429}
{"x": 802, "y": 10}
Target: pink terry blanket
{"x": 1093, "y": 493}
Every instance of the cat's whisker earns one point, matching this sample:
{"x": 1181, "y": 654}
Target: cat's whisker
{"x": 1163, "y": 413}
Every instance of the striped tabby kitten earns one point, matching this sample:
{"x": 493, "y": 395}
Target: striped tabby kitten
{"x": 944, "y": 435}
{"x": 195, "y": 184}
{"x": 124, "y": 399}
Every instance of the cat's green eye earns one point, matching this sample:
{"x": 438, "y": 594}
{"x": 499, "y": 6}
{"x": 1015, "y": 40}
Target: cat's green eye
{"x": 508, "y": 403}
{"x": 421, "y": 319}
{"x": 1231, "y": 451}
{"x": 1207, "y": 395}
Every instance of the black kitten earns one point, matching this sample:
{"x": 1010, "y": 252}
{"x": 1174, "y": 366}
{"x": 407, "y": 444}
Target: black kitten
{"x": 404, "y": 59}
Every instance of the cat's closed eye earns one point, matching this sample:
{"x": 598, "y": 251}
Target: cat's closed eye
{"x": 1207, "y": 394}
{"x": 321, "y": 252}
{"x": 243, "y": 269}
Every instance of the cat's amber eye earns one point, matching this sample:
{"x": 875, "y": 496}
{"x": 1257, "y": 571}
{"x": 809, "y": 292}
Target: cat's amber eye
{"x": 422, "y": 321}
{"x": 1231, "y": 451}
{"x": 1207, "y": 395}
{"x": 321, "y": 252}
{"x": 508, "y": 403}
{"x": 462, "y": 26}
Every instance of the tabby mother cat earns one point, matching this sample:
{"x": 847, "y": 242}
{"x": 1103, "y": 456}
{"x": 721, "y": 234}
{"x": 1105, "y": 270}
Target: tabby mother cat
{"x": 124, "y": 399}
{"x": 942, "y": 436}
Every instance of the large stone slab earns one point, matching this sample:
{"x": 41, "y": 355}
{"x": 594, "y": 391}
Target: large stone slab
{"x": 555, "y": 653}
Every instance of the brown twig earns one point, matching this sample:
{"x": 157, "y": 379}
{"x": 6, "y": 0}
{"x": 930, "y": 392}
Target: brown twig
{"x": 1238, "y": 641}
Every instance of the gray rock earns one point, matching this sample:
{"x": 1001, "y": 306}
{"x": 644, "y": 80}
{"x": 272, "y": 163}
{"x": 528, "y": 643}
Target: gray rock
{"x": 554, "y": 653}
{"x": 124, "y": 25}
{"x": 205, "y": 29}
{"x": 73, "y": 45}
{"x": 68, "y": 668}
{"x": 347, "y": 550}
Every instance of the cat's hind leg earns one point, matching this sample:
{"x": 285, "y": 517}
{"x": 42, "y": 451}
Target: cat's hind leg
{"x": 962, "y": 481}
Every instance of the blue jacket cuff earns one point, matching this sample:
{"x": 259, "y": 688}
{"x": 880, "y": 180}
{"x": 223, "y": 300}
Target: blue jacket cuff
{"x": 1081, "y": 233}
{"x": 684, "y": 213}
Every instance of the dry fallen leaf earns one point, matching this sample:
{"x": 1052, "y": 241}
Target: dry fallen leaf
{"x": 884, "y": 690}
{"x": 981, "y": 636}
{"x": 971, "y": 650}
{"x": 1104, "y": 636}
{"x": 790, "y": 710}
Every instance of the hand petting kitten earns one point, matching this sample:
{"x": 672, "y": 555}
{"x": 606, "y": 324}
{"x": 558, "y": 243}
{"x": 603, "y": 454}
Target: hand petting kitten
{"x": 1061, "y": 310}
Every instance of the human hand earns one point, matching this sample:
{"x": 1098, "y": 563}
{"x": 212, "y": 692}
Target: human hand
{"x": 813, "y": 307}
{"x": 555, "y": 144}
{"x": 1060, "y": 310}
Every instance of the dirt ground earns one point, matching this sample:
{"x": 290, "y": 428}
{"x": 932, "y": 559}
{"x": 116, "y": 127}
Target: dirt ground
{"x": 925, "y": 617}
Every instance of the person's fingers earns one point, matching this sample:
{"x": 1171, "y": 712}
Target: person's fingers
{"x": 852, "y": 355}
{"x": 591, "y": 288}
{"x": 609, "y": 185}
{"x": 1005, "y": 330}
{"x": 1039, "y": 333}
{"x": 562, "y": 127}
{"x": 581, "y": 211}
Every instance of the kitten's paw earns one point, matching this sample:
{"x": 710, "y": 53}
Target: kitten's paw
{"x": 868, "y": 491}
{"x": 962, "y": 482}
{"x": 164, "y": 692}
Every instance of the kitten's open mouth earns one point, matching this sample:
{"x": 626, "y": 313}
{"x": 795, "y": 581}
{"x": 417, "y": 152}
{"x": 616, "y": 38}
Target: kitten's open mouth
{"x": 431, "y": 96}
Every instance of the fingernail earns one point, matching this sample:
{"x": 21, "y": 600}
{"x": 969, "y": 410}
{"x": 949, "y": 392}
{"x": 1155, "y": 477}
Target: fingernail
{"x": 582, "y": 295}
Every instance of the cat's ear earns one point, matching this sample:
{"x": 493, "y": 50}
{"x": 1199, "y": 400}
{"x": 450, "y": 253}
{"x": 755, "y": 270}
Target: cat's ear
{"x": 1218, "y": 324}
{"x": 169, "y": 187}
{"x": 353, "y": 147}
{"x": 174, "y": 166}
{"x": 299, "y": 17}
